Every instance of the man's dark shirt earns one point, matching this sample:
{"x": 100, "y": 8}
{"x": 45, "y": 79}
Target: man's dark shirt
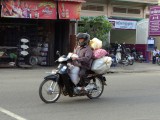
{"x": 84, "y": 56}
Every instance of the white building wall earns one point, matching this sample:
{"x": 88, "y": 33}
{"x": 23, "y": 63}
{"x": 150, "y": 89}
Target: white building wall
{"x": 86, "y": 13}
{"x": 142, "y": 31}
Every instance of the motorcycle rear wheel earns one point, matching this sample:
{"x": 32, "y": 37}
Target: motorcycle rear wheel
{"x": 97, "y": 92}
{"x": 49, "y": 91}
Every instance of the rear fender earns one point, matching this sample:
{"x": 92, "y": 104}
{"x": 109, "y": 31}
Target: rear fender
{"x": 103, "y": 79}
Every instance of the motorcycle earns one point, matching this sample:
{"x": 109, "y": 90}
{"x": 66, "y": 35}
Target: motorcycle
{"x": 140, "y": 57}
{"x": 112, "y": 55}
{"x": 59, "y": 82}
{"x": 118, "y": 53}
{"x": 125, "y": 59}
{"x": 130, "y": 59}
{"x": 158, "y": 59}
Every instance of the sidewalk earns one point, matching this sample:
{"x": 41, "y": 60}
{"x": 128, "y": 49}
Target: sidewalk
{"x": 136, "y": 67}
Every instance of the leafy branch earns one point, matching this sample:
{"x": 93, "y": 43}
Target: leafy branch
{"x": 98, "y": 27}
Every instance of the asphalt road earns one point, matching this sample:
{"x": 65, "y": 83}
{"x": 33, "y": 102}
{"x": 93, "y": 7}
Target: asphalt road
{"x": 128, "y": 96}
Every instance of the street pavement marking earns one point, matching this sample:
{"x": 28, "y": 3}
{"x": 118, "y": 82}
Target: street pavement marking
{"x": 17, "y": 117}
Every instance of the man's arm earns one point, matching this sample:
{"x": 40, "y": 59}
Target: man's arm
{"x": 87, "y": 56}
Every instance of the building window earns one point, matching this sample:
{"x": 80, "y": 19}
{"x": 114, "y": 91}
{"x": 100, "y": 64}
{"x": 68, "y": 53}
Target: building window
{"x": 126, "y": 10}
{"x": 119, "y": 10}
{"x": 134, "y": 11}
{"x": 93, "y": 7}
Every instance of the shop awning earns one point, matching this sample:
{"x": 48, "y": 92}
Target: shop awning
{"x": 35, "y": 9}
{"x": 40, "y": 9}
{"x": 73, "y": 1}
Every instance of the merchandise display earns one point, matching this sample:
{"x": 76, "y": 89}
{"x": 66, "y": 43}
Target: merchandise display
{"x": 43, "y": 54}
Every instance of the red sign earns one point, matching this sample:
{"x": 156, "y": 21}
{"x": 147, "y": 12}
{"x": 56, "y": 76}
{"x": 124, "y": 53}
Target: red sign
{"x": 154, "y": 21}
{"x": 29, "y": 9}
{"x": 73, "y": 0}
{"x": 69, "y": 10}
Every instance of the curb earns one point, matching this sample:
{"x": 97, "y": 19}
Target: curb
{"x": 131, "y": 71}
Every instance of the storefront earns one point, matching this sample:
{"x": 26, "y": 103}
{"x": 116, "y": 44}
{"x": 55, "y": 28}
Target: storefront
{"x": 123, "y": 31}
{"x": 48, "y": 25}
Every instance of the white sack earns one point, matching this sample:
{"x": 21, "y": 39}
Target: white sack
{"x": 95, "y": 43}
{"x": 74, "y": 74}
{"x": 101, "y": 65}
{"x": 72, "y": 55}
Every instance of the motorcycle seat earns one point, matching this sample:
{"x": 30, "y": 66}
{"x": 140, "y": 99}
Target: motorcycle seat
{"x": 90, "y": 72}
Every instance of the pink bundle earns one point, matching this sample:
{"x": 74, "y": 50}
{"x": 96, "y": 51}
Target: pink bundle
{"x": 99, "y": 53}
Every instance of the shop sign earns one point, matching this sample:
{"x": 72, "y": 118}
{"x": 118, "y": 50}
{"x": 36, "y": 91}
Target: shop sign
{"x": 154, "y": 21}
{"x": 123, "y": 24}
{"x": 150, "y": 43}
{"x": 37, "y": 9}
{"x": 69, "y": 10}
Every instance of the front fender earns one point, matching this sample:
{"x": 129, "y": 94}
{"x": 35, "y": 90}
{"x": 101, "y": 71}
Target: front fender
{"x": 54, "y": 77}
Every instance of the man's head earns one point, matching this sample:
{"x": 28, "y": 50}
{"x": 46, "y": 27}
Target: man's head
{"x": 155, "y": 47}
{"x": 83, "y": 39}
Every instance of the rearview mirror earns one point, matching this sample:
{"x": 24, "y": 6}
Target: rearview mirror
{"x": 58, "y": 53}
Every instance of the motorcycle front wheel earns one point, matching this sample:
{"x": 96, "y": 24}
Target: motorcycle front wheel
{"x": 49, "y": 91}
{"x": 158, "y": 61}
{"x": 98, "y": 90}
{"x": 131, "y": 62}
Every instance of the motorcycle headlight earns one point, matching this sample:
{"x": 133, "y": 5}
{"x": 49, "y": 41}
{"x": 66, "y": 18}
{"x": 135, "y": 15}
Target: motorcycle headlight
{"x": 54, "y": 71}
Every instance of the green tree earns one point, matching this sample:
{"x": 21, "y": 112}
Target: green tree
{"x": 98, "y": 27}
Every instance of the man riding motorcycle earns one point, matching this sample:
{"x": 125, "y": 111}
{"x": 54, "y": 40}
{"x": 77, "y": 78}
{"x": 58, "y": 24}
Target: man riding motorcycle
{"x": 84, "y": 52}
{"x": 64, "y": 81}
